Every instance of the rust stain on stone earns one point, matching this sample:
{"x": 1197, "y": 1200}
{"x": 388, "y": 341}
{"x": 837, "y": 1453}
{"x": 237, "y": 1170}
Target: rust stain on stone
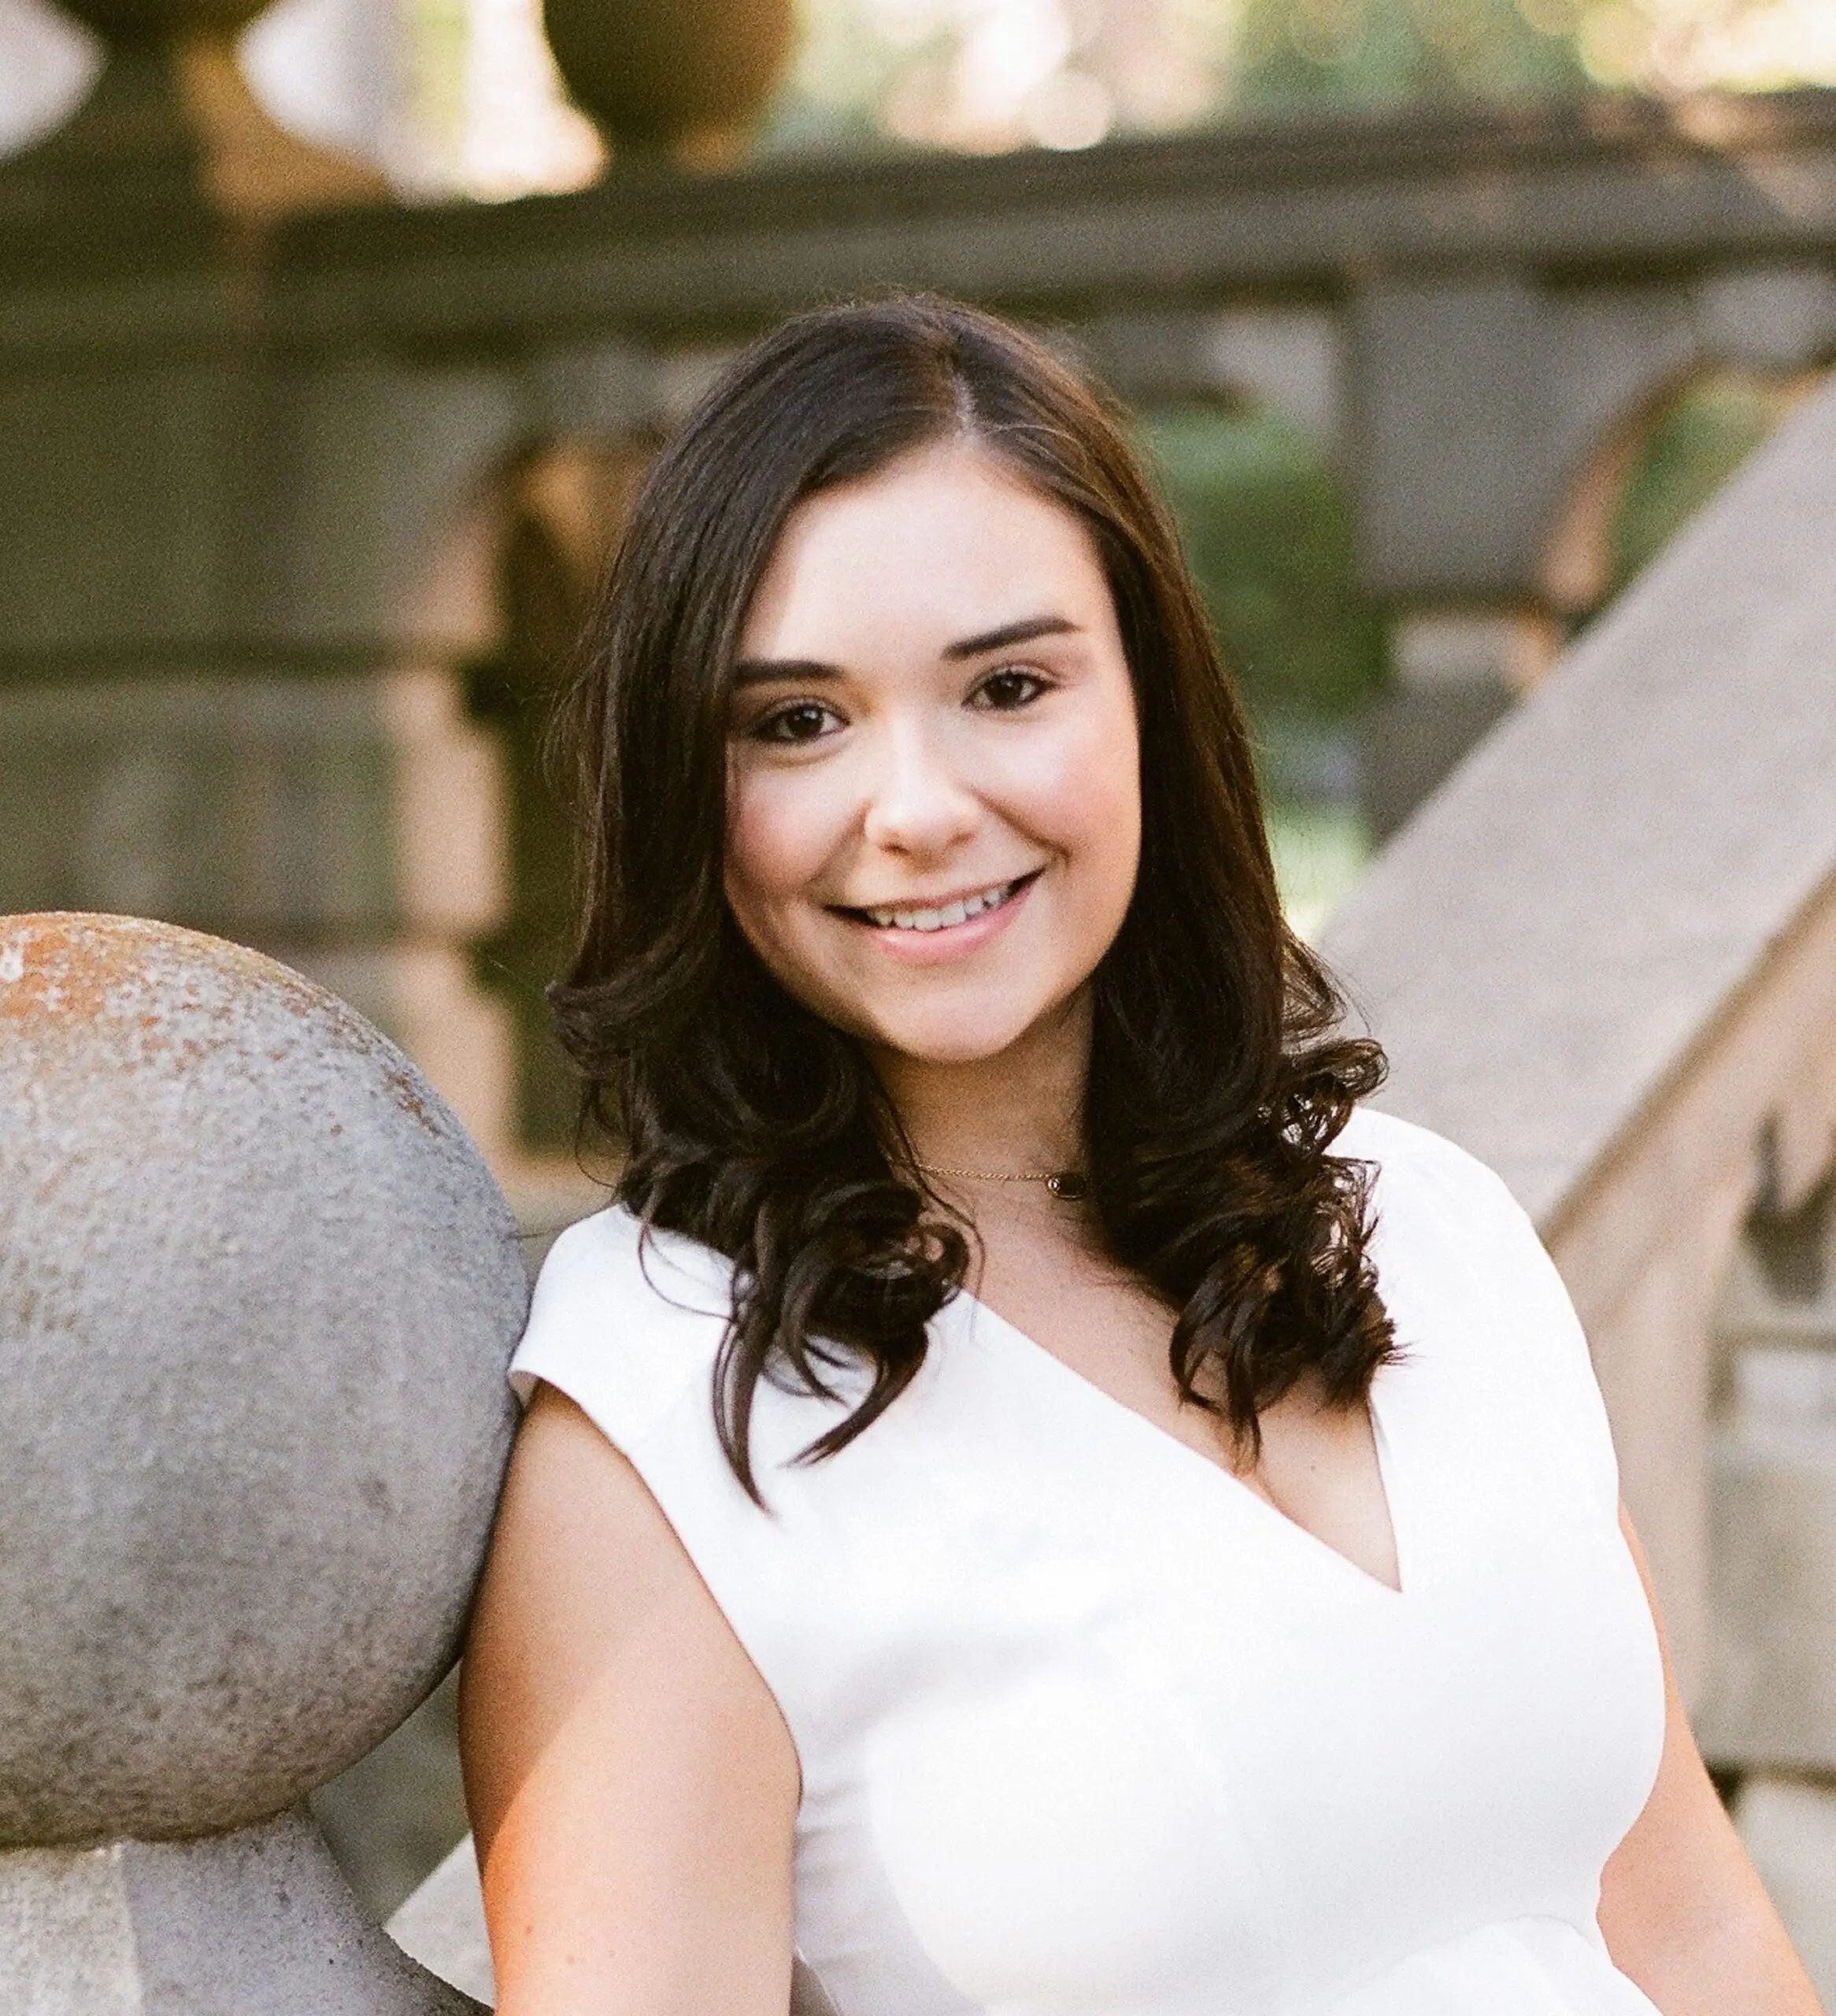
{"x": 136, "y": 994}
{"x": 402, "y": 1088}
{"x": 38, "y": 977}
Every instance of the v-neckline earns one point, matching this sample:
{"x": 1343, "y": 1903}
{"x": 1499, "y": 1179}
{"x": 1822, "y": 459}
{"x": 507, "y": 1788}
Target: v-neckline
{"x": 1105, "y": 1402}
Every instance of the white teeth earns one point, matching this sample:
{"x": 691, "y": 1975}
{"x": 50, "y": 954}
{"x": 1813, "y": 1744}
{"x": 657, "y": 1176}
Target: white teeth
{"x": 959, "y": 912}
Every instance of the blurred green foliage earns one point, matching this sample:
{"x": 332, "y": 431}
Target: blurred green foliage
{"x": 863, "y": 61}
{"x": 1295, "y": 55}
{"x": 1693, "y": 449}
{"x": 1268, "y": 532}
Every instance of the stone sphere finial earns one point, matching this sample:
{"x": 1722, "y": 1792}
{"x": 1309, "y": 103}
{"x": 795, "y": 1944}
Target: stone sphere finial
{"x": 172, "y": 129}
{"x": 258, "y": 1292}
{"x": 133, "y": 20}
{"x": 670, "y": 74}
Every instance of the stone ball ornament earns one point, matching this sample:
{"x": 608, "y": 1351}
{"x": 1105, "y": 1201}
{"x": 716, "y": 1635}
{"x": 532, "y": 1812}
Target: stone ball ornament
{"x": 140, "y": 20}
{"x": 257, "y": 1294}
{"x": 656, "y": 75}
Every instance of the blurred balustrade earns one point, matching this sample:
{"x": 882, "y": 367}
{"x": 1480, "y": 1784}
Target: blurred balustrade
{"x": 1604, "y": 958}
{"x": 265, "y": 526}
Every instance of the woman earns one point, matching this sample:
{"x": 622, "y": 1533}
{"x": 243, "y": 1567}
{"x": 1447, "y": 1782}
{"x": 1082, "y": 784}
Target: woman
{"x": 1029, "y": 1500}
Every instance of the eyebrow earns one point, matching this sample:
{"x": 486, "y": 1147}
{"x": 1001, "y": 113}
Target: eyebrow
{"x": 1022, "y": 632}
{"x": 767, "y": 672}
{"x": 759, "y": 672}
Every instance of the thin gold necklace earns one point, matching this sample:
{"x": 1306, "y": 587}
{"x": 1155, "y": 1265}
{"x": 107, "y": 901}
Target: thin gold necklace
{"x": 1065, "y": 1184}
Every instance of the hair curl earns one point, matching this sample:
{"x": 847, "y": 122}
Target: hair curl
{"x": 1219, "y": 1077}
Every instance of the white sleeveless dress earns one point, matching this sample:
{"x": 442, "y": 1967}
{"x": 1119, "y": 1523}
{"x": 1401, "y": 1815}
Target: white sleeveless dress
{"x": 1088, "y": 1728}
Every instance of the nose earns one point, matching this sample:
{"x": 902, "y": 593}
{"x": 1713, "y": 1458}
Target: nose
{"x": 917, "y": 801}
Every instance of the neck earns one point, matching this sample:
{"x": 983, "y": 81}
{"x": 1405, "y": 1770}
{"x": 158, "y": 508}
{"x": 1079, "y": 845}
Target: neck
{"x": 1022, "y": 1110}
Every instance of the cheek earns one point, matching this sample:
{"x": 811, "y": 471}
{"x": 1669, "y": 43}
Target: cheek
{"x": 777, "y": 840}
{"x": 1082, "y": 795}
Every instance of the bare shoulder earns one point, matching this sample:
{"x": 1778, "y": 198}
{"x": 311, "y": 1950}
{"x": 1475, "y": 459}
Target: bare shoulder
{"x": 581, "y": 1530}
{"x": 585, "y": 1575}
{"x": 628, "y": 1772}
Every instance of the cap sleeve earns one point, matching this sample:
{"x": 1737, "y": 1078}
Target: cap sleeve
{"x": 1468, "y": 1247}
{"x": 1558, "y": 1349}
{"x": 622, "y": 1324}
{"x": 628, "y": 1326}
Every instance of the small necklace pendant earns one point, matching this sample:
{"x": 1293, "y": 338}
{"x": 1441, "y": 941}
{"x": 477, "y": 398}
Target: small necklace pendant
{"x": 1069, "y": 1186}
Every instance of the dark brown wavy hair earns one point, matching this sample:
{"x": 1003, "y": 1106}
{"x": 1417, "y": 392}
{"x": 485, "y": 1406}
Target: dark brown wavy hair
{"x": 1219, "y": 1078}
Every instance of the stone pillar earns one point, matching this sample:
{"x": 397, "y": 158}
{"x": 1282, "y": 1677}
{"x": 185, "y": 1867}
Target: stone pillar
{"x": 1788, "y": 1825}
{"x": 1768, "y": 1717}
{"x": 257, "y": 1293}
{"x": 1478, "y": 399}
{"x": 229, "y": 684}
{"x": 1455, "y": 674}
{"x": 348, "y": 824}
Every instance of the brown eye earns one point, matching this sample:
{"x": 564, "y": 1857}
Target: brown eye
{"x": 1008, "y": 689}
{"x": 804, "y": 720}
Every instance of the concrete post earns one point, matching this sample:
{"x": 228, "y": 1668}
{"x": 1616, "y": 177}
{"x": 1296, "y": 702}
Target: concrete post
{"x": 258, "y": 1292}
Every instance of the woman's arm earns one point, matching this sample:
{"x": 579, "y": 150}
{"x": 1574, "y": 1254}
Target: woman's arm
{"x": 1683, "y": 1912}
{"x": 632, "y": 1786}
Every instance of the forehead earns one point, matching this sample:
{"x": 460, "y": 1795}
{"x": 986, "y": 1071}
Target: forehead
{"x": 944, "y": 544}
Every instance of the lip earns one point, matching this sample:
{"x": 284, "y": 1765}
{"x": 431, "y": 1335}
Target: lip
{"x": 952, "y": 941}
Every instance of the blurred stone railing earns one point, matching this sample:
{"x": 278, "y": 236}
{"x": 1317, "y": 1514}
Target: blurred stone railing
{"x": 1604, "y": 957}
{"x": 1769, "y": 1708}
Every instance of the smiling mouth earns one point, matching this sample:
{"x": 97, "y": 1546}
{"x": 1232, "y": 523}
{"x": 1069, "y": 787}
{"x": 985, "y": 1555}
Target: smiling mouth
{"x": 961, "y": 910}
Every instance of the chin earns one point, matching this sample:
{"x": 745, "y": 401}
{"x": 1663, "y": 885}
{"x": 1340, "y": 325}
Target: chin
{"x": 954, "y": 1040}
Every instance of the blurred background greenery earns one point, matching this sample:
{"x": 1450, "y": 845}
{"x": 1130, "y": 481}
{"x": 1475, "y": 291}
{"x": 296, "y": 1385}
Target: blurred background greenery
{"x": 1267, "y": 529}
{"x": 993, "y": 73}
{"x": 487, "y": 114}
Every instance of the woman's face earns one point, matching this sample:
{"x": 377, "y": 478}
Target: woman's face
{"x": 934, "y": 816}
